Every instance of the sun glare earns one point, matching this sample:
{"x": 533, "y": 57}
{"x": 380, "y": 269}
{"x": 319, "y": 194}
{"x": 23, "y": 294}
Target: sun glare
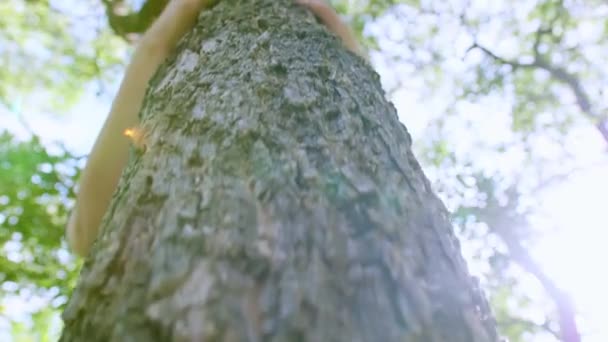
{"x": 575, "y": 256}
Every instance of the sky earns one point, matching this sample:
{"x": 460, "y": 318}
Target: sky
{"x": 572, "y": 217}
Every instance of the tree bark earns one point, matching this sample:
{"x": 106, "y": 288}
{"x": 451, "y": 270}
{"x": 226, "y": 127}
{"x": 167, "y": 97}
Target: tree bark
{"x": 277, "y": 199}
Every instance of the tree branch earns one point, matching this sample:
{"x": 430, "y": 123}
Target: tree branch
{"x": 560, "y": 74}
{"x": 503, "y": 221}
{"x": 133, "y": 22}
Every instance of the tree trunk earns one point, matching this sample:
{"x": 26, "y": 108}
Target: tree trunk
{"x": 277, "y": 199}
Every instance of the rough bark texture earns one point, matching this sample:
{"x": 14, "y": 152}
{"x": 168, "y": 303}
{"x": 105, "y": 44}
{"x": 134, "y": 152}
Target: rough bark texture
{"x": 277, "y": 200}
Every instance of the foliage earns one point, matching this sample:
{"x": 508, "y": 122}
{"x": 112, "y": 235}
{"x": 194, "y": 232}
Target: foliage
{"x": 504, "y": 86}
{"x": 36, "y": 182}
{"x": 51, "y": 49}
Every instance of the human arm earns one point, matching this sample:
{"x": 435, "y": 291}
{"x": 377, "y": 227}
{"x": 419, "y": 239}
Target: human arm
{"x": 328, "y": 16}
{"x": 111, "y": 149}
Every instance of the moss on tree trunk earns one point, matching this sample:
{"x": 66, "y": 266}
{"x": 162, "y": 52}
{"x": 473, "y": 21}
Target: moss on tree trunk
{"x": 277, "y": 200}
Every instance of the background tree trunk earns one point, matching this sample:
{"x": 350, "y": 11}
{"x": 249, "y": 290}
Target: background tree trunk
{"x": 277, "y": 200}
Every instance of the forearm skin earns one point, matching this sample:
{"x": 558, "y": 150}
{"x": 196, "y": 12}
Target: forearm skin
{"x": 111, "y": 149}
{"x": 328, "y": 16}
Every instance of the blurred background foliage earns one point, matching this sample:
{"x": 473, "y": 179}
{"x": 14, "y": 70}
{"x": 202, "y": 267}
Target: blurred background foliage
{"x": 504, "y": 99}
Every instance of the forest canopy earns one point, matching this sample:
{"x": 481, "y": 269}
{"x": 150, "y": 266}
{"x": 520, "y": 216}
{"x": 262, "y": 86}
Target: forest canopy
{"x": 507, "y": 103}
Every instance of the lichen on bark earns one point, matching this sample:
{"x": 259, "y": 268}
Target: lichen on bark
{"x": 277, "y": 200}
